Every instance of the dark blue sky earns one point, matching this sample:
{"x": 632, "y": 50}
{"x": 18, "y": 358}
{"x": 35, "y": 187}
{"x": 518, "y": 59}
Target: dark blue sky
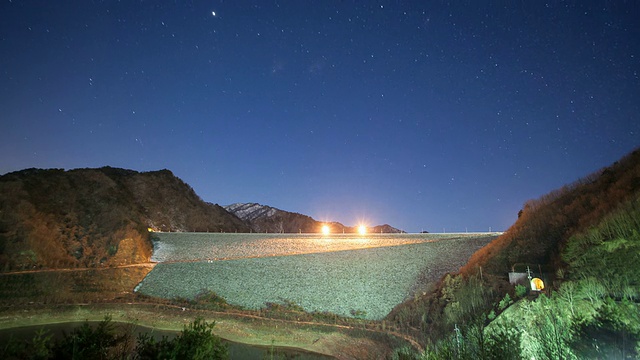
{"x": 423, "y": 115}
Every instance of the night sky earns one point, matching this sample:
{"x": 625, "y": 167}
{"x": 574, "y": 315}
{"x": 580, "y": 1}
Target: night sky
{"x": 425, "y": 115}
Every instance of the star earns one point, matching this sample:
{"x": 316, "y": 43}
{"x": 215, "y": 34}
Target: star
{"x": 354, "y": 93}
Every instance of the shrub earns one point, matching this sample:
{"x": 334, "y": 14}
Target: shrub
{"x": 505, "y": 302}
{"x": 196, "y": 341}
{"x": 86, "y": 342}
{"x": 40, "y": 347}
{"x": 358, "y": 314}
{"x": 105, "y": 341}
{"x": 211, "y": 300}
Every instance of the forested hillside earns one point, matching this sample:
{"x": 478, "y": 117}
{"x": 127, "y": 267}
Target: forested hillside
{"x": 545, "y": 225}
{"x": 583, "y": 241}
{"x": 96, "y": 217}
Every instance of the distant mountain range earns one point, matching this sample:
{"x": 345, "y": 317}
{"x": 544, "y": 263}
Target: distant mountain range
{"x": 263, "y": 218}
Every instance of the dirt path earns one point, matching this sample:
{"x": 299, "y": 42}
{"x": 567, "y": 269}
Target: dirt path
{"x": 144, "y": 265}
{"x": 405, "y": 337}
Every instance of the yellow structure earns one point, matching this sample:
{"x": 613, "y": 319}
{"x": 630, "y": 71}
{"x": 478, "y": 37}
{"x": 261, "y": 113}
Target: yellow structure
{"x": 537, "y": 284}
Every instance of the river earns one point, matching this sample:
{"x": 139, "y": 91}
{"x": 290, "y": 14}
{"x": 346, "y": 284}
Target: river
{"x": 237, "y": 351}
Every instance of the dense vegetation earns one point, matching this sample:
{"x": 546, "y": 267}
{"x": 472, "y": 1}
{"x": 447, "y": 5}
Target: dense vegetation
{"x": 585, "y": 239}
{"x": 582, "y": 240}
{"x": 95, "y": 217}
{"x": 106, "y": 341}
{"x": 544, "y": 225}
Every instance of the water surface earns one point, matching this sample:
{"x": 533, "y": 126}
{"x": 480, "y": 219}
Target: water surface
{"x": 237, "y": 351}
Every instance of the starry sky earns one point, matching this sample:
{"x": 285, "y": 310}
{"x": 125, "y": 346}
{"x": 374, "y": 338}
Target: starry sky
{"x": 426, "y": 115}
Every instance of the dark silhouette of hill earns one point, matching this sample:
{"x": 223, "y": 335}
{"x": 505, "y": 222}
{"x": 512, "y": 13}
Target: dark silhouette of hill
{"x": 96, "y": 217}
{"x": 263, "y": 218}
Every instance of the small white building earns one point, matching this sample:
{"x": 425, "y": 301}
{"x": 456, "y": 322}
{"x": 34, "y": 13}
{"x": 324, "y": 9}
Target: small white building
{"x": 524, "y": 278}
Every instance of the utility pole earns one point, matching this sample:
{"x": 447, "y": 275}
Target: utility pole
{"x": 457, "y": 330}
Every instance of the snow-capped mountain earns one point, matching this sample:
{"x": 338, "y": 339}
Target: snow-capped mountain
{"x": 263, "y": 218}
{"x": 251, "y": 211}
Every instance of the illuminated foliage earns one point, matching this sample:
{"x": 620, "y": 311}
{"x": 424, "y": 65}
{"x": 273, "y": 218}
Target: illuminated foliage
{"x": 587, "y": 234}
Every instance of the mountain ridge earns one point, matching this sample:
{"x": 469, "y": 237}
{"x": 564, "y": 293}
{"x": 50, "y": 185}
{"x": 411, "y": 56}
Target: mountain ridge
{"x": 96, "y": 217}
{"x": 265, "y": 218}
{"x": 55, "y": 218}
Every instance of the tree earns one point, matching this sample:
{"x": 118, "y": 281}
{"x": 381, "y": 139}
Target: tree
{"x": 196, "y": 342}
{"x": 87, "y": 342}
{"x": 552, "y": 330}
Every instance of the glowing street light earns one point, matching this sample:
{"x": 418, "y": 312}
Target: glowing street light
{"x": 362, "y": 229}
{"x": 326, "y": 230}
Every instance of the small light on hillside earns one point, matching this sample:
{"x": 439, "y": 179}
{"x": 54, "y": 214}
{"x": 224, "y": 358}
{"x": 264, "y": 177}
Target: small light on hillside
{"x": 150, "y": 229}
{"x": 537, "y": 284}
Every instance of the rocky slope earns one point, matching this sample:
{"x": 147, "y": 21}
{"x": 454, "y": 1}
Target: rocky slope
{"x": 263, "y": 218}
{"x": 96, "y": 217}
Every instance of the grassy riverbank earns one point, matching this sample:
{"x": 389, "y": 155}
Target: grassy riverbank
{"x": 339, "y": 342}
{"x": 66, "y": 295}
